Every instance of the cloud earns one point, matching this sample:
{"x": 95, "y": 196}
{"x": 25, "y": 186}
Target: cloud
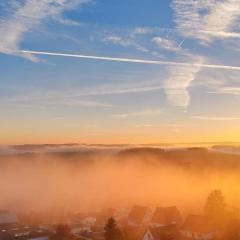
{"x": 165, "y": 43}
{"x": 180, "y": 75}
{"x": 143, "y": 30}
{"x": 113, "y": 89}
{"x": 81, "y": 96}
{"x": 51, "y": 100}
{"x": 117, "y": 40}
{"x": 77, "y": 103}
{"x": 221, "y": 34}
{"x": 151, "y": 112}
{"x": 207, "y": 20}
{"x": 28, "y": 17}
{"x": 178, "y": 81}
{"x": 207, "y": 118}
{"x": 124, "y": 42}
{"x": 227, "y": 90}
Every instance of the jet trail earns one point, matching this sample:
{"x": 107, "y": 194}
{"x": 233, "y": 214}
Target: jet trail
{"x": 132, "y": 60}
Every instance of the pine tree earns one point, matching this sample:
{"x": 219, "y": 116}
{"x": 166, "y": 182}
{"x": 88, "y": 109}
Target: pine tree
{"x": 111, "y": 230}
{"x": 63, "y": 231}
{"x": 216, "y": 209}
{"x": 215, "y": 204}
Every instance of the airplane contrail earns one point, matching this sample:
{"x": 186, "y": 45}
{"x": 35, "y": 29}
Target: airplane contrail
{"x": 132, "y": 60}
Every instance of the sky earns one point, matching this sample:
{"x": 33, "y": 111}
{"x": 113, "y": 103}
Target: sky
{"x": 110, "y": 72}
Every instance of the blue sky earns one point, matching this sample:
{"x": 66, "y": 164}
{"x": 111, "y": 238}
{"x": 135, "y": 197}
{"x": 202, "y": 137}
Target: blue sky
{"x": 61, "y": 99}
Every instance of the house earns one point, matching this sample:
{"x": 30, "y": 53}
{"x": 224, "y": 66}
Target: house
{"x": 85, "y": 218}
{"x": 25, "y": 233}
{"x": 134, "y": 232}
{"x": 33, "y": 235}
{"x": 197, "y": 227}
{"x": 139, "y": 215}
{"x": 93, "y": 234}
{"x": 76, "y": 230}
{"x": 162, "y": 233}
{"x": 166, "y": 216}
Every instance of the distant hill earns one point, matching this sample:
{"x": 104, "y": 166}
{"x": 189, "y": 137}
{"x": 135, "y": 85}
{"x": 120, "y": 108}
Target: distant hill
{"x": 188, "y": 157}
{"x": 75, "y": 155}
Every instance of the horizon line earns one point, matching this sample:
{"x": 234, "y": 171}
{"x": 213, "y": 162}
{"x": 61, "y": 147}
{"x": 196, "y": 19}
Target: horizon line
{"x": 125, "y": 144}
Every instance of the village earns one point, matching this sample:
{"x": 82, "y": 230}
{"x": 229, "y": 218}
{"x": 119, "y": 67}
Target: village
{"x": 136, "y": 223}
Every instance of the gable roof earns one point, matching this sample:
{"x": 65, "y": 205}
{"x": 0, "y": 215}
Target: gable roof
{"x": 166, "y": 215}
{"x": 133, "y": 232}
{"x": 137, "y": 214}
{"x": 162, "y": 232}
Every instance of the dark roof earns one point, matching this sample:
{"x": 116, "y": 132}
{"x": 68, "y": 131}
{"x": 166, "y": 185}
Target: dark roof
{"x": 137, "y": 214}
{"x": 198, "y": 224}
{"x": 164, "y": 232}
{"x": 166, "y": 215}
{"x": 133, "y": 232}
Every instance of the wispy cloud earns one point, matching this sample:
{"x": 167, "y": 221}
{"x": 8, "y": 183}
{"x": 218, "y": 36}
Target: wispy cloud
{"x": 54, "y": 102}
{"x": 143, "y": 30}
{"x": 119, "y": 89}
{"x": 179, "y": 78}
{"x": 207, "y": 19}
{"x": 117, "y": 40}
{"x": 176, "y": 85}
{"x": 28, "y": 17}
{"x": 209, "y": 118}
{"x": 227, "y": 90}
{"x": 124, "y": 42}
{"x": 204, "y": 20}
{"x": 150, "y": 112}
{"x": 178, "y": 81}
{"x": 165, "y": 43}
{"x": 77, "y": 103}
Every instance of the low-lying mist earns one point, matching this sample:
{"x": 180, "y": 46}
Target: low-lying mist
{"x": 89, "y": 181}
